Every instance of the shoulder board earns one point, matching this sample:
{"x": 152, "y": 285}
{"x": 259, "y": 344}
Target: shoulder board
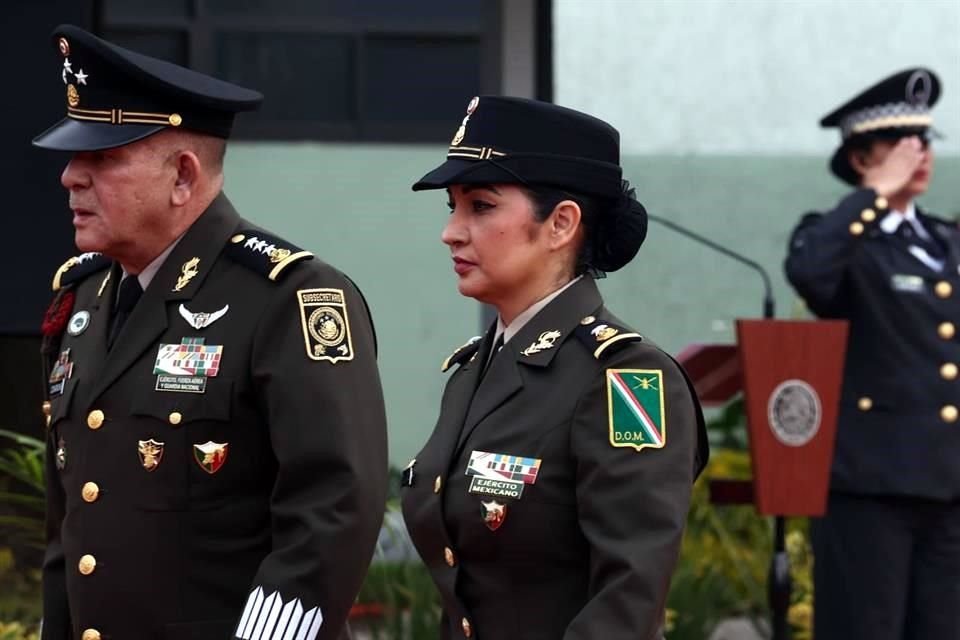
{"x": 600, "y": 335}
{"x": 461, "y": 353}
{"x": 264, "y": 253}
{"x": 79, "y": 267}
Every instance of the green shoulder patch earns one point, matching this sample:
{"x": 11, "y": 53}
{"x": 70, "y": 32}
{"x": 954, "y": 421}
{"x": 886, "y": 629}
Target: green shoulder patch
{"x": 461, "y": 353}
{"x": 264, "y": 253}
{"x": 600, "y": 335}
{"x": 79, "y": 267}
{"x": 635, "y": 408}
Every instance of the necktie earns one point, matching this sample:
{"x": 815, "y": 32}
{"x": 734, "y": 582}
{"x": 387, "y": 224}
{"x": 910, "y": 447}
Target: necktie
{"x": 493, "y": 354}
{"x": 129, "y": 294}
{"x": 909, "y": 230}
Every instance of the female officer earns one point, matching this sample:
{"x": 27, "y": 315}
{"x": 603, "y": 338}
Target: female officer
{"x": 550, "y": 500}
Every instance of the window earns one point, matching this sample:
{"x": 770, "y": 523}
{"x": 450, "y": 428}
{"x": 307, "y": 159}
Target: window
{"x": 351, "y": 70}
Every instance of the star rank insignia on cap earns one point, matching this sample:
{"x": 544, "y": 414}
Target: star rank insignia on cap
{"x": 264, "y": 253}
{"x": 326, "y": 325}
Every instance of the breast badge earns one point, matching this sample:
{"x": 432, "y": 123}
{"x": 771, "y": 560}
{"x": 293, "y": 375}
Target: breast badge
{"x": 326, "y": 326}
{"x": 635, "y": 408}
{"x": 211, "y": 455}
{"x": 150, "y": 452}
{"x": 62, "y": 370}
{"x": 185, "y": 367}
{"x": 501, "y": 475}
{"x": 493, "y": 513}
{"x": 78, "y": 323}
{"x": 201, "y": 319}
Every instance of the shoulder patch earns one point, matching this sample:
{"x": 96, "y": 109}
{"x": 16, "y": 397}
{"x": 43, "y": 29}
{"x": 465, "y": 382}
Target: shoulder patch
{"x": 326, "y": 324}
{"x": 636, "y": 413}
{"x": 79, "y": 267}
{"x": 461, "y": 353}
{"x": 600, "y": 336}
{"x": 264, "y": 253}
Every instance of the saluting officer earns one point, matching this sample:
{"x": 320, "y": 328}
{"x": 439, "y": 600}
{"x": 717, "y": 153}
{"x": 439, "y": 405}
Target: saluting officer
{"x": 217, "y": 449}
{"x": 888, "y": 550}
{"x": 550, "y": 500}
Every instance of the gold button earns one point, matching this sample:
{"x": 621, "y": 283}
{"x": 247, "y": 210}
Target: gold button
{"x": 87, "y": 564}
{"x": 865, "y": 403}
{"x": 880, "y": 202}
{"x": 448, "y": 556}
{"x": 949, "y": 413}
{"x": 946, "y": 330}
{"x": 948, "y": 371}
{"x": 95, "y": 419}
{"x": 90, "y": 634}
{"x": 237, "y": 238}
{"x": 868, "y": 215}
{"x": 856, "y": 227}
{"x": 943, "y": 289}
{"x": 588, "y": 320}
{"x": 437, "y": 483}
{"x": 175, "y": 119}
{"x": 90, "y": 491}
{"x": 175, "y": 418}
{"x": 46, "y": 407}
{"x": 467, "y": 629}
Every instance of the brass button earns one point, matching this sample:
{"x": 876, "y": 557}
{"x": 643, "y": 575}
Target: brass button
{"x": 87, "y": 564}
{"x": 448, "y": 556}
{"x": 880, "y": 202}
{"x": 467, "y": 629}
{"x": 90, "y": 491}
{"x": 437, "y": 483}
{"x": 95, "y": 419}
{"x": 588, "y": 320}
{"x": 865, "y": 403}
{"x": 943, "y": 289}
{"x": 175, "y": 418}
{"x": 46, "y": 407}
{"x": 90, "y": 634}
{"x": 946, "y": 330}
{"x": 948, "y": 371}
{"x": 949, "y": 413}
{"x": 237, "y": 238}
{"x": 868, "y": 215}
{"x": 856, "y": 228}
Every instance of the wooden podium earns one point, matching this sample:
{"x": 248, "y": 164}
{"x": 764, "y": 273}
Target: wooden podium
{"x": 791, "y": 374}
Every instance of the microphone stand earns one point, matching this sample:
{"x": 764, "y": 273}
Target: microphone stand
{"x": 779, "y": 583}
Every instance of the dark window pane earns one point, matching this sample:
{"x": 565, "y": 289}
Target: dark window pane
{"x": 379, "y": 10}
{"x": 166, "y": 45}
{"x": 141, "y": 10}
{"x": 415, "y": 80}
{"x": 302, "y": 76}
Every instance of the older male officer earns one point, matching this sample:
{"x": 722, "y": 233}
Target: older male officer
{"x": 217, "y": 443}
{"x": 888, "y": 551}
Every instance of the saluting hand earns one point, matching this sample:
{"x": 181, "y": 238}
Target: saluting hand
{"x": 894, "y": 171}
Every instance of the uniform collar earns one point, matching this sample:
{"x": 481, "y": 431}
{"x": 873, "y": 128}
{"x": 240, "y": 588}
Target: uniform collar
{"x": 892, "y": 221}
{"x": 521, "y": 320}
{"x": 145, "y": 277}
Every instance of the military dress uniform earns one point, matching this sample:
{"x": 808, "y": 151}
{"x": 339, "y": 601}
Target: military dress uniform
{"x": 542, "y": 511}
{"x": 895, "y": 484}
{"x": 216, "y": 464}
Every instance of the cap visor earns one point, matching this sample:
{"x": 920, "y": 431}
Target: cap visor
{"x": 74, "y": 135}
{"x": 456, "y": 171}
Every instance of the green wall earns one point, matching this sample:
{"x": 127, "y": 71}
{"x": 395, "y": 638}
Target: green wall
{"x": 352, "y": 205}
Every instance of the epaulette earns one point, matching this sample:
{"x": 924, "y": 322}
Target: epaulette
{"x": 79, "y": 267}
{"x": 264, "y": 253}
{"x": 461, "y": 353}
{"x": 600, "y": 335}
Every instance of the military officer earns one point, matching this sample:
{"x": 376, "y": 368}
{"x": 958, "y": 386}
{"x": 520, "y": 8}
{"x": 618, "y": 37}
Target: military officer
{"x": 550, "y": 500}
{"x": 888, "y": 550}
{"x": 217, "y": 451}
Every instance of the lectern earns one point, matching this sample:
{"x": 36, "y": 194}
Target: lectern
{"x": 791, "y": 374}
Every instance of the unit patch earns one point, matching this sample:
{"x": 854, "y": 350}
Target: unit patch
{"x": 326, "y": 326}
{"x": 185, "y": 367}
{"x": 501, "y": 475}
{"x": 635, "y": 408}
